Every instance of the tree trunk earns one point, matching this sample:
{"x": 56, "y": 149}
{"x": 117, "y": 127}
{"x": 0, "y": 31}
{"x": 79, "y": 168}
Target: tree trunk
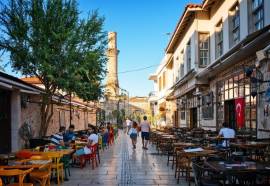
{"x": 46, "y": 113}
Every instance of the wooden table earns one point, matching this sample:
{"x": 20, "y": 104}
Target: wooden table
{"x": 237, "y": 168}
{"x": 250, "y": 145}
{"x": 26, "y": 164}
{"x": 61, "y": 151}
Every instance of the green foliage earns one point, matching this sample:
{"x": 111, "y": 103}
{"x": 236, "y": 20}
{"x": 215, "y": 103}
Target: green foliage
{"x": 47, "y": 39}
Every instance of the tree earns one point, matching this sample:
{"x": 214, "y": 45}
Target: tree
{"x": 48, "y": 40}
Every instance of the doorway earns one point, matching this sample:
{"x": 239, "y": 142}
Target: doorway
{"x": 5, "y": 121}
{"x": 193, "y": 118}
{"x": 229, "y": 114}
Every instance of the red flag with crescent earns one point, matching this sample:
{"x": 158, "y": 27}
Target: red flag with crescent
{"x": 240, "y": 112}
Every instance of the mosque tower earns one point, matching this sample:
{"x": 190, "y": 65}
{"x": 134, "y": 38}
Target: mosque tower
{"x": 112, "y": 84}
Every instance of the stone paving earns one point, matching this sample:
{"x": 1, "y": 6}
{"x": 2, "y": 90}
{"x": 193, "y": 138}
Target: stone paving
{"x": 121, "y": 165}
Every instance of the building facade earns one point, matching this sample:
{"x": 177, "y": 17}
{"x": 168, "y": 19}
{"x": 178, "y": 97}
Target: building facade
{"x": 21, "y": 104}
{"x": 212, "y": 47}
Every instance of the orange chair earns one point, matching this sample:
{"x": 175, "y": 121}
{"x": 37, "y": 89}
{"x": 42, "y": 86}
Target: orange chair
{"x": 1, "y": 183}
{"x": 41, "y": 176}
{"x": 16, "y": 172}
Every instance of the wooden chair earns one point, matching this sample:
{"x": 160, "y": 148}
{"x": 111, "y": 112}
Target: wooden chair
{"x": 1, "y": 183}
{"x": 183, "y": 167}
{"x": 18, "y": 173}
{"x": 57, "y": 166}
{"x": 41, "y": 176}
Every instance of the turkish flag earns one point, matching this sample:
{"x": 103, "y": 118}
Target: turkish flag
{"x": 240, "y": 112}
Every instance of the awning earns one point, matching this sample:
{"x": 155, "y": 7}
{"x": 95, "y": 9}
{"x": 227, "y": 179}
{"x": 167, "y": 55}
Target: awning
{"x": 12, "y": 83}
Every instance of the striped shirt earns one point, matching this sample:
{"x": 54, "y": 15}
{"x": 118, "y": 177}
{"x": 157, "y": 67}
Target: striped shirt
{"x": 56, "y": 138}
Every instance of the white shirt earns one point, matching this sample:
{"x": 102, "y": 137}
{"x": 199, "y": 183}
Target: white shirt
{"x": 94, "y": 139}
{"x": 128, "y": 122}
{"x": 145, "y": 126}
{"x": 226, "y": 133}
{"x": 132, "y": 131}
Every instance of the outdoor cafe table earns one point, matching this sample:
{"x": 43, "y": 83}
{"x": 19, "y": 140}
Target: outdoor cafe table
{"x": 61, "y": 151}
{"x": 250, "y": 145}
{"x": 26, "y": 164}
{"x": 191, "y": 155}
{"x": 232, "y": 168}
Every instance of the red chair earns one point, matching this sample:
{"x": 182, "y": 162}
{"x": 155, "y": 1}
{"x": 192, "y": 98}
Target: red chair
{"x": 91, "y": 158}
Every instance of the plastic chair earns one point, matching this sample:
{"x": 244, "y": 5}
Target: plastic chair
{"x": 66, "y": 161}
{"x": 91, "y": 158}
{"x": 19, "y": 173}
{"x": 41, "y": 176}
{"x": 57, "y": 166}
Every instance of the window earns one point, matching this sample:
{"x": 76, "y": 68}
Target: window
{"x": 182, "y": 70}
{"x": 188, "y": 54}
{"x": 233, "y": 87}
{"x": 257, "y": 10}
{"x": 219, "y": 39}
{"x": 203, "y": 49}
{"x": 234, "y": 25}
{"x": 256, "y": 15}
{"x": 207, "y": 106}
{"x": 164, "y": 80}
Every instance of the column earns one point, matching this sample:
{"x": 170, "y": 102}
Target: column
{"x": 16, "y": 142}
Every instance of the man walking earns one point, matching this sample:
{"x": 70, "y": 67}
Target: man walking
{"x": 145, "y": 129}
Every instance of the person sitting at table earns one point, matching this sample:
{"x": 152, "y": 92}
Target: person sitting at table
{"x": 227, "y": 133}
{"x": 92, "y": 140}
{"x": 58, "y": 139}
{"x": 69, "y": 135}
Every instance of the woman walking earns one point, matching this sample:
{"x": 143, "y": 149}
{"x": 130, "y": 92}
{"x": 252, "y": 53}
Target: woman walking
{"x": 133, "y": 133}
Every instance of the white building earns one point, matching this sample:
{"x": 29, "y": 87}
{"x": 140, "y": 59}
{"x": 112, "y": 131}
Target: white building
{"x": 211, "y": 46}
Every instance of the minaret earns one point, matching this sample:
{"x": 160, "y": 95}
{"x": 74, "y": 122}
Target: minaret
{"x": 112, "y": 84}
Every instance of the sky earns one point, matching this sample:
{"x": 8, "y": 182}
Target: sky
{"x": 142, "y": 27}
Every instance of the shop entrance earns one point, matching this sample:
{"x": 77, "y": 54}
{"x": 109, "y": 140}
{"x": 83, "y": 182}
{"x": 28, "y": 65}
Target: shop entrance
{"x": 193, "y": 118}
{"x": 230, "y": 113}
{"x": 5, "y": 122}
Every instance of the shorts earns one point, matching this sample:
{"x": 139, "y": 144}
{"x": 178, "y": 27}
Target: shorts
{"x": 145, "y": 135}
{"x": 80, "y": 152}
{"x": 133, "y": 136}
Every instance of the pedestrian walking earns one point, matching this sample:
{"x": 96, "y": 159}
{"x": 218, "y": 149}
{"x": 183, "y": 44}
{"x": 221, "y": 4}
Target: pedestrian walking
{"x": 128, "y": 124}
{"x": 145, "y": 132}
{"x": 133, "y": 133}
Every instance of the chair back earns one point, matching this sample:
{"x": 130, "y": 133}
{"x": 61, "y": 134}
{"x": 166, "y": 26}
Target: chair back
{"x": 55, "y": 157}
{"x": 197, "y": 171}
{"x": 42, "y": 157}
{"x": 16, "y": 172}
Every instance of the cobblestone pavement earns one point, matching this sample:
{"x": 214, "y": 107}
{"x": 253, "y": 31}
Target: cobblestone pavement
{"x": 121, "y": 165}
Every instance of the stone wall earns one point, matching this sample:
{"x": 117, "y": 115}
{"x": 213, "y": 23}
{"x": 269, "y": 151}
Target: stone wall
{"x": 61, "y": 116}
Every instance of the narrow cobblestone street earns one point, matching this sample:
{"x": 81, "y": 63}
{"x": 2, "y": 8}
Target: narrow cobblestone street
{"x": 121, "y": 165}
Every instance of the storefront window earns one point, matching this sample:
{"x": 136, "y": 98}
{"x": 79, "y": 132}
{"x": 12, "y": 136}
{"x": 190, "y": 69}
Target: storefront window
{"x": 229, "y": 89}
